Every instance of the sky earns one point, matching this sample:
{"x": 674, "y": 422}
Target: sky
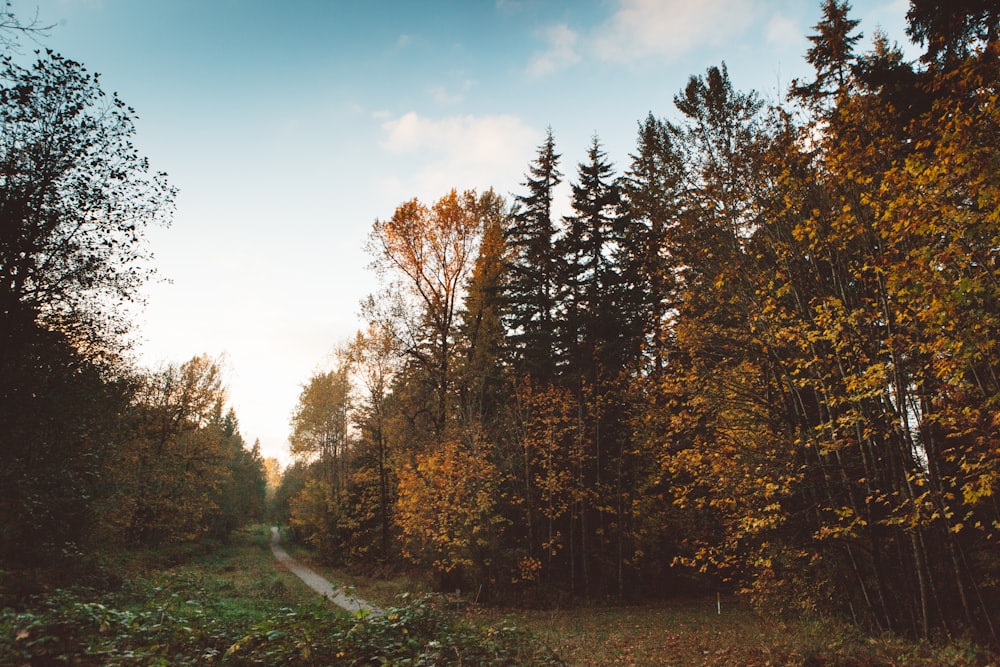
{"x": 290, "y": 127}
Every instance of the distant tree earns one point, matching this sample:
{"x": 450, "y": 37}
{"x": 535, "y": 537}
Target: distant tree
{"x": 321, "y": 422}
{"x": 168, "y": 475}
{"x": 293, "y": 479}
{"x": 272, "y": 474}
{"x": 241, "y": 493}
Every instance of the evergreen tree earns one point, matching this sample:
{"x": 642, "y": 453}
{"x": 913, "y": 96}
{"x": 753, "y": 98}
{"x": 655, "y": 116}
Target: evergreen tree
{"x": 587, "y": 331}
{"x": 530, "y": 287}
{"x": 832, "y": 52}
{"x": 651, "y": 192}
{"x": 481, "y": 332}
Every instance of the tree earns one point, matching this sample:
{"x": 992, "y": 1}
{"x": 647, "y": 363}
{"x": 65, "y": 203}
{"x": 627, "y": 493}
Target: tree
{"x": 167, "y": 476}
{"x": 951, "y": 30}
{"x": 446, "y": 511}
{"x": 11, "y": 27}
{"x": 836, "y": 294}
{"x": 75, "y": 200}
{"x": 320, "y": 423}
{"x": 433, "y": 250}
{"x": 241, "y": 493}
{"x": 530, "y": 288}
{"x": 272, "y": 474}
{"x": 652, "y": 194}
{"x": 61, "y": 424}
{"x": 832, "y": 52}
{"x": 588, "y": 340}
{"x": 375, "y": 358}
{"x": 480, "y": 332}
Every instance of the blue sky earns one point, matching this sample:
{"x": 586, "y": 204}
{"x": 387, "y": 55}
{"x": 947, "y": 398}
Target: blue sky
{"x": 289, "y": 127}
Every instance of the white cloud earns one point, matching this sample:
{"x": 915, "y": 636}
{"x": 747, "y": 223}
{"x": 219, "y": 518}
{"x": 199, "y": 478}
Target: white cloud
{"x": 785, "y": 32}
{"x": 668, "y": 28}
{"x": 459, "y": 151}
{"x": 561, "y": 52}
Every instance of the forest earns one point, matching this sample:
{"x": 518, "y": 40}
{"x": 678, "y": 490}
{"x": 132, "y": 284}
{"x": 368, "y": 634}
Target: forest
{"x": 761, "y": 359}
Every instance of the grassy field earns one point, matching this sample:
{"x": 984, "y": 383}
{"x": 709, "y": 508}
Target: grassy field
{"x": 233, "y": 604}
{"x": 684, "y": 632}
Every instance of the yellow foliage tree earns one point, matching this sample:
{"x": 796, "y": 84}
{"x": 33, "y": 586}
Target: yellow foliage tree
{"x": 446, "y": 509}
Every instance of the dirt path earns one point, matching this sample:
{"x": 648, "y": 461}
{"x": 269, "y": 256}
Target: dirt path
{"x": 315, "y": 581}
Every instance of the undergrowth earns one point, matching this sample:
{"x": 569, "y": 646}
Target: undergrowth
{"x": 233, "y": 607}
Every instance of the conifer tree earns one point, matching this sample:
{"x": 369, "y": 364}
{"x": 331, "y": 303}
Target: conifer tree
{"x": 530, "y": 289}
{"x": 588, "y": 277}
{"x": 651, "y": 191}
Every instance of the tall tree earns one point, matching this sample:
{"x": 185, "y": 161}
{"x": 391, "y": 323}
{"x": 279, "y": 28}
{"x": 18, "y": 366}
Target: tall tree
{"x": 832, "y": 53}
{"x": 240, "y": 495}
{"x": 75, "y": 200}
{"x": 652, "y": 194}
{"x": 481, "y": 333}
{"x": 376, "y": 359}
{"x": 588, "y": 277}
{"x": 530, "y": 290}
{"x": 434, "y": 250}
{"x": 167, "y": 476}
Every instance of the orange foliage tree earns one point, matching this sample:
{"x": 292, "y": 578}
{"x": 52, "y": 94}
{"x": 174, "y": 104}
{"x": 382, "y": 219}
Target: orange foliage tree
{"x": 446, "y": 510}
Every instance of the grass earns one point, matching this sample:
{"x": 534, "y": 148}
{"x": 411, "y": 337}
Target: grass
{"x": 239, "y": 579}
{"x": 691, "y": 632}
{"x": 381, "y": 591}
{"x": 683, "y": 632}
{"x": 232, "y": 604}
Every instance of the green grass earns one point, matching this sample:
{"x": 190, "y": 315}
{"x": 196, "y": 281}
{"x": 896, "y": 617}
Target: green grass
{"x": 233, "y": 604}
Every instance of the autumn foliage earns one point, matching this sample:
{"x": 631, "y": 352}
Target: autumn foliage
{"x": 763, "y": 359}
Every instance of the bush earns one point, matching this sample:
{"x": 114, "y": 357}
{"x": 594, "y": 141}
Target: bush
{"x": 177, "y": 625}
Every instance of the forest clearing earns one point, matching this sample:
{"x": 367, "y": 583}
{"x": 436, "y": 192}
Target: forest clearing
{"x": 738, "y": 404}
{"x": 235, "y": 604}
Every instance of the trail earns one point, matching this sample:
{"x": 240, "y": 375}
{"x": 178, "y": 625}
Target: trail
{"x": 315, "y": 581}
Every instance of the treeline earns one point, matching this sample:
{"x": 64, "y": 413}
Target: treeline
{"x": 94, "y": 451}
{"x": 762, "y": 358}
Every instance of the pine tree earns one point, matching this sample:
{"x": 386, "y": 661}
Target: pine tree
{"x": 651, "y": 192}
{"x": 530, "y": 289}
{"x": 588, "y": 277}
{"x": 832, "y": 53}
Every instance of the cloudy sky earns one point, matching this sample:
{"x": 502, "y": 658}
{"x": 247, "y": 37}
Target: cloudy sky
{"x": 289, "y": 127}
